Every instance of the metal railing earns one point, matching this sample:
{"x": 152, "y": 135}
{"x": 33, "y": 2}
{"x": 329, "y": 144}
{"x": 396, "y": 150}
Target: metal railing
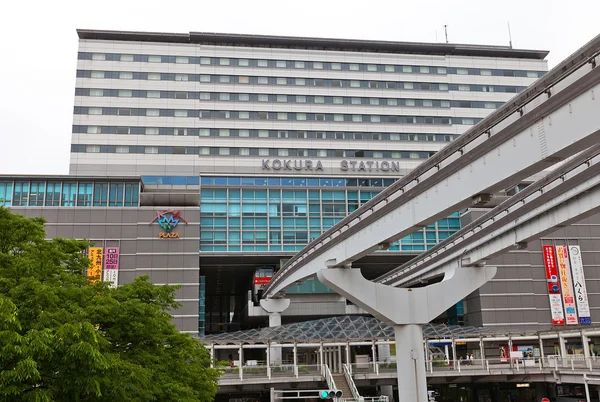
{"x": 371, "y": 210}
{"x": 482, "y": 367}
{"x": 270, "y": 371}
{"x": 328, "y": 377}
{"x": 351, "y": 385}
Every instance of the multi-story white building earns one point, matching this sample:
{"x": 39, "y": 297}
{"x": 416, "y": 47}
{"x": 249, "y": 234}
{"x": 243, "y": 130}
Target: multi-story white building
{"x": 202, "y": 104}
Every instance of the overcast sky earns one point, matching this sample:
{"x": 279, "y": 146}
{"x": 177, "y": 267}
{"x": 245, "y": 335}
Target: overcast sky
{"x": 38, "y": 45}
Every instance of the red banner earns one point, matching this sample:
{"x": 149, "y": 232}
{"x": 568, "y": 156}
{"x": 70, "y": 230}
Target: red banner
{"x": 262, "y": 280}
{"x": 556, "y": 307}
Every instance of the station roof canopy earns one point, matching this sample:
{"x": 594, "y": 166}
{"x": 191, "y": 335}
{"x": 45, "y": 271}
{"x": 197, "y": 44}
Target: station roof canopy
{"x": 344, "y": 328}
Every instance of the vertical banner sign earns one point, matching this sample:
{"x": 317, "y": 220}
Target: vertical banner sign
{"x": 566, "y": 284}
{"x": 556, "y": 308}
{"x": 111, "y": 266}
{"x": 95, "y": 268}
{"x": 579, "y": 285}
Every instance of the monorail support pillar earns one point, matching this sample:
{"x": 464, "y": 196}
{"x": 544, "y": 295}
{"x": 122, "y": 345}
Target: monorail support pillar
{"x": 274, "y": 307}
{"x": 407, "y": 310}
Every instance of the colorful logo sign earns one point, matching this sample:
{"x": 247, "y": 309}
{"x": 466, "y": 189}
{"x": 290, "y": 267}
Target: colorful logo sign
{"x": 168, "y": 220}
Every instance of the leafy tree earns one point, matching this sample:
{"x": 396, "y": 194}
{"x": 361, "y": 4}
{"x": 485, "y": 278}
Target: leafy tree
{"x": 63, "y": 338}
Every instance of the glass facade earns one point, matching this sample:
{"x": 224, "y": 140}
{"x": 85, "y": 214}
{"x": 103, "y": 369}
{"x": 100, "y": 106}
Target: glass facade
{"x": 236, "y": 215}
{"x": 69, "y": 193}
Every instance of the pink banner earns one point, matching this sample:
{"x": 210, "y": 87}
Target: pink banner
{"x": 111, "y": 266}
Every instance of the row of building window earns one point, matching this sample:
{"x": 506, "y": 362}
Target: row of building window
{"x": 281, "y": 116}
{"x": 272, "y": 98}
{"x": 310, "y": 65}
{"x": 243, "y": 133}
{"x": 302, "y": 82}
{"x": 267, "y": 181}
{"x": 266, "y": 152}
{"x": 281, "y": 220}
{"x": 38, "y": 193}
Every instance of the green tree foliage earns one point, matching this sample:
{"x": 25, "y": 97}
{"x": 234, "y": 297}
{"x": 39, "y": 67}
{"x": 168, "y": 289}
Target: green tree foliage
{"x": 64, "y": 339}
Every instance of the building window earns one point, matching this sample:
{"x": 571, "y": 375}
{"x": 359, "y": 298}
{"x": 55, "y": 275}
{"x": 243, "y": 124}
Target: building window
{"x": 154, "y": 59}
{"x": 97, "y": 74}
{"x": 181, "y": 77}
{"x": 100, "y": 194}
{"x": 152, "y": 131}
{"x": 126, "y": 75}
{"x": 153, "y": 94}
{"x": 69, "y": 191}
{"x": 152, "y": 112}
{"x": 122, "y": 149}
{"x": 125, "y": 93}
{"x": 92, "y": 149}
{"x": 462, "y": 71}
{"x": 154, "y": 76}
{"x": 181, "y": 113}
{"x": 126, "y": 57}
{"x": 182, "y": 60}
{"x": 116, "y": 195}
{"x": 96, "y": 92}
{"x": 98, "y": 56}
{"x": 205, "y": 60}
{"x": 151, "y": 150}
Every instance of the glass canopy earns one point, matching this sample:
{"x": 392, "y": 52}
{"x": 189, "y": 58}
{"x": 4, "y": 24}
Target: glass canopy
{"x": 344, "y": 328}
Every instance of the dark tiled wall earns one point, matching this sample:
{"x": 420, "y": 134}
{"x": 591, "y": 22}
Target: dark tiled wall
{"x": 517, "y": 296}
{"x": 142, "y": 252}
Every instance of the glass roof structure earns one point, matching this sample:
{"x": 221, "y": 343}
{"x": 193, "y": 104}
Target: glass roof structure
{"x": 344, "y": 328}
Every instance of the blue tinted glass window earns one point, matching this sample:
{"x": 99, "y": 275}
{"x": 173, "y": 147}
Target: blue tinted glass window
{"x": 274, "y": 181}
{"x": 36, "y": 194}
{"x": 100, "y": 194}
{"x": 207, "y": 180}
{"x": 234, "y": 181}
{"x": 116, "y": 194}
{"x": 84, "y": 195}
{"x": 285, "y": 181}
{"x": 21, "y": 193}
{"x": 131, "y": 194}
{"x": 193, "y": 180}
{"x": 220, "y": 180}
{"x": 69, "y": 192}
{"x": 53, "y": 191}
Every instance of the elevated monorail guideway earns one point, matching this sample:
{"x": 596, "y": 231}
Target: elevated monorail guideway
{"x": 550, "y": 121}
{"x": 553, "y": 120}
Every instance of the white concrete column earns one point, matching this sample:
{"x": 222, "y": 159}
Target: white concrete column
{"x": 541, "y": 348}
{"x": 321, "y": 362}
{"x": 585, "y": 341}
{"x": 510, "y": 351}
{"x": 454, "y": 359}
{"x": 241, "y": 367}
{"x": 295, "y": 360}
{"x": 274, "y": 307}
{"x": 212, "y": 356}
{"x": 447, "y": 353}
{"x": 482, "y": 352}
{"x": 410, "y": 363}
{"x": 268, "y": 350}
{"x": 338, "y": 369}
{"x": 373, "y": 353}
{"x": 563, "y": 349}
{"x": 348, "y": 354}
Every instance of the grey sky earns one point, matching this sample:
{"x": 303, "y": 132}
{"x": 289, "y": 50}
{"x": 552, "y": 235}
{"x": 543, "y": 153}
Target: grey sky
{"x": 38, "y": 45}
